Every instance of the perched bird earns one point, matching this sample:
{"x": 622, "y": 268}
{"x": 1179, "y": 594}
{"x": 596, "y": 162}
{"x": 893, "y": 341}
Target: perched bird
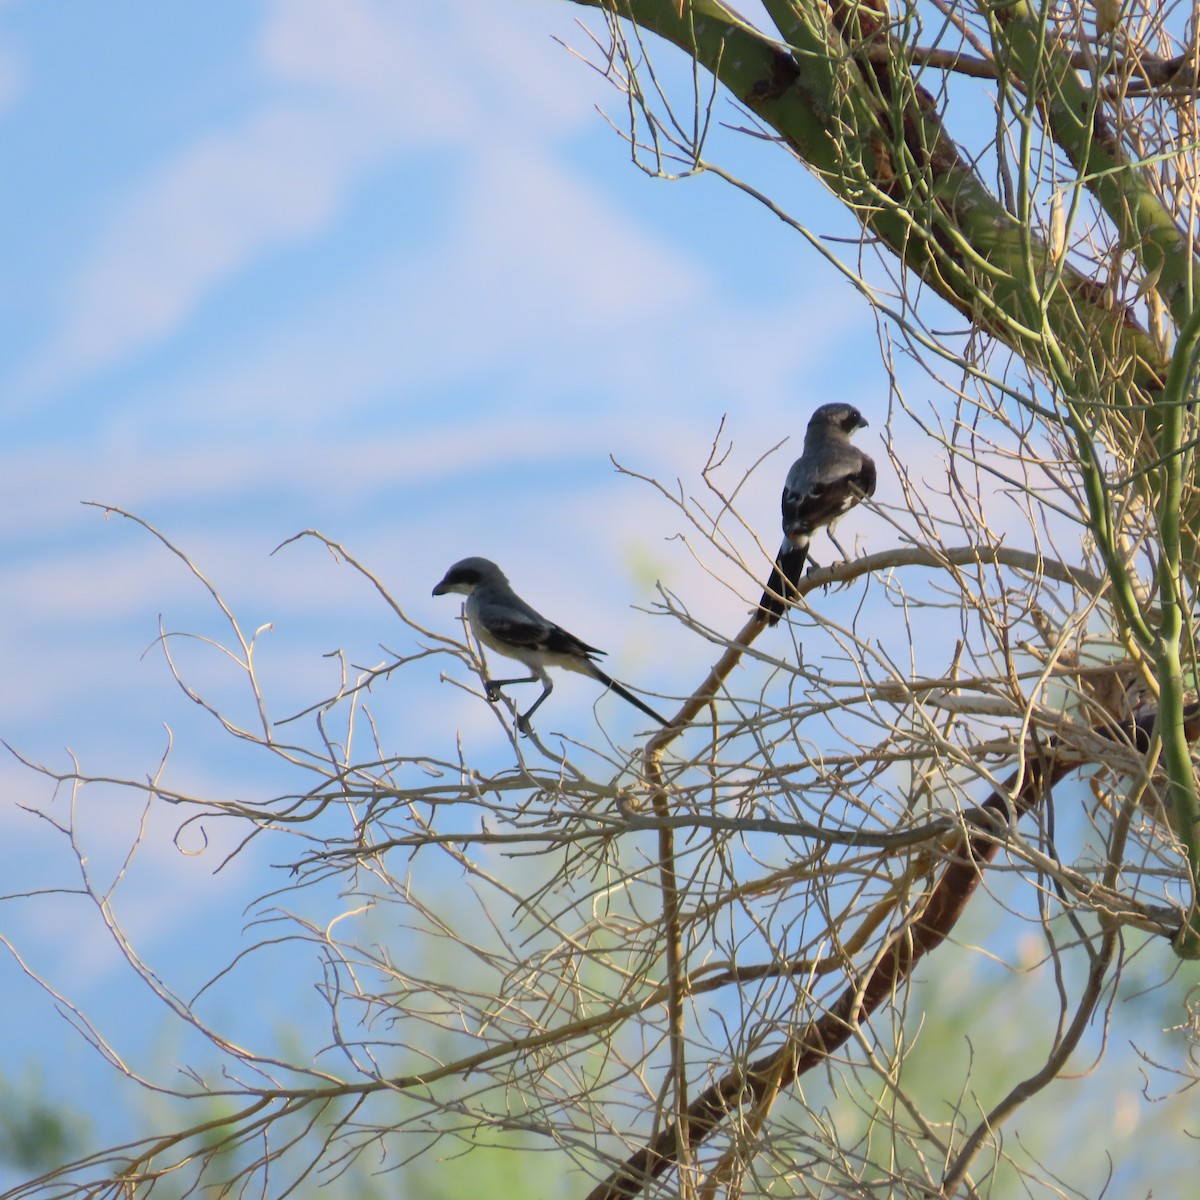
{"x": 502, "y": 621}
{"x": 825, "y": 482}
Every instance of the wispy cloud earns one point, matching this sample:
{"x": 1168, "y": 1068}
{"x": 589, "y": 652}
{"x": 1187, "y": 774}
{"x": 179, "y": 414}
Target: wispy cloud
{"x": 348, "y": 84}
{"x": 12, "y": 76}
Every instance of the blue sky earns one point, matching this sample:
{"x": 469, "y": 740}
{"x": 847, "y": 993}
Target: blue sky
{"x": 375, "y": 268}
{"x": 378, "y": 268}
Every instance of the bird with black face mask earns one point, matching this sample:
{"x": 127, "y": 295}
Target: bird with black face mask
{"x": 828, "y": 479}
{"x": 503, "y": 622}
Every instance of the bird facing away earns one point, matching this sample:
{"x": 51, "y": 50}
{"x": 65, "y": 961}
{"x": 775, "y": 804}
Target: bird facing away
{"x": 503, "y": 622}
{"x": 825, "y": 482}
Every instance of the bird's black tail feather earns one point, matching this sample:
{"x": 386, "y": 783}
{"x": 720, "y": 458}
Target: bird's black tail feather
{"x": 614, "y": 686}
{"x": 785, "y": 577}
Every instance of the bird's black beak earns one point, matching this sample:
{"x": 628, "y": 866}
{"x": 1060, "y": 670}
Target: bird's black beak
{"x": 441, "y": 589}
{"x": 863, "y": 423}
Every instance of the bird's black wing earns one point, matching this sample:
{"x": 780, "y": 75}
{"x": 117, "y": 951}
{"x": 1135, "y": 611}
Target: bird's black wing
{"x": 864, "y": 478}
{"x": 522, "y": 627}
{"x": 559, "y": 641}
{"x": 816, "y": 495}
{"x": 820, "y": 501}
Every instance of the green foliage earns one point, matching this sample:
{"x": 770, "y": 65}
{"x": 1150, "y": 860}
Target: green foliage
{"x": 37, "y": 1134}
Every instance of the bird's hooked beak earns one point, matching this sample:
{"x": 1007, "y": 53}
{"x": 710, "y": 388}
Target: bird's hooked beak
{"x": 441, "y": 589}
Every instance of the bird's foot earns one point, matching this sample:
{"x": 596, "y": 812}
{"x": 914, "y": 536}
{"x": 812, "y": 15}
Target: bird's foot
{"x": 523, "y": 725}
{"x": 813, "y": 565}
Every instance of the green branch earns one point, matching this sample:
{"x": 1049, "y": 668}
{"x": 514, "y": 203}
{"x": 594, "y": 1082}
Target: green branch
{"x": 1176, "y": 618}
{"x": 874, "y": 138}
{"x": 1069, "y": 105}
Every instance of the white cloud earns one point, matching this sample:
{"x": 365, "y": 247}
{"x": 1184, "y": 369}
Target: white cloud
{"x": 374, "y": 59}
{"x": 531, "y": 279}
{"x": 527, "y": 265}
{"x": 351, "y": 82}
{"x": 12, "y": 77}
{"x": 217, "y": 206}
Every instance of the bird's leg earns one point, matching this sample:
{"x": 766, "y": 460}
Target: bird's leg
{"x": 523, "y": 719}
{"x": 491, "y": 687}
{"x": 840, "y": 548}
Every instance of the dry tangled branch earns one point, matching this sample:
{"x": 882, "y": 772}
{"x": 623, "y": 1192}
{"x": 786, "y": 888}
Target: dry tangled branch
{"x": 689, "y": 928}
{"x": 690, "y": 967}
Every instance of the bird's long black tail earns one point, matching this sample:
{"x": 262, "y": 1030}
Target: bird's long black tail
{"x": 614, "y": 686}
{"x": 785, "y": 576}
